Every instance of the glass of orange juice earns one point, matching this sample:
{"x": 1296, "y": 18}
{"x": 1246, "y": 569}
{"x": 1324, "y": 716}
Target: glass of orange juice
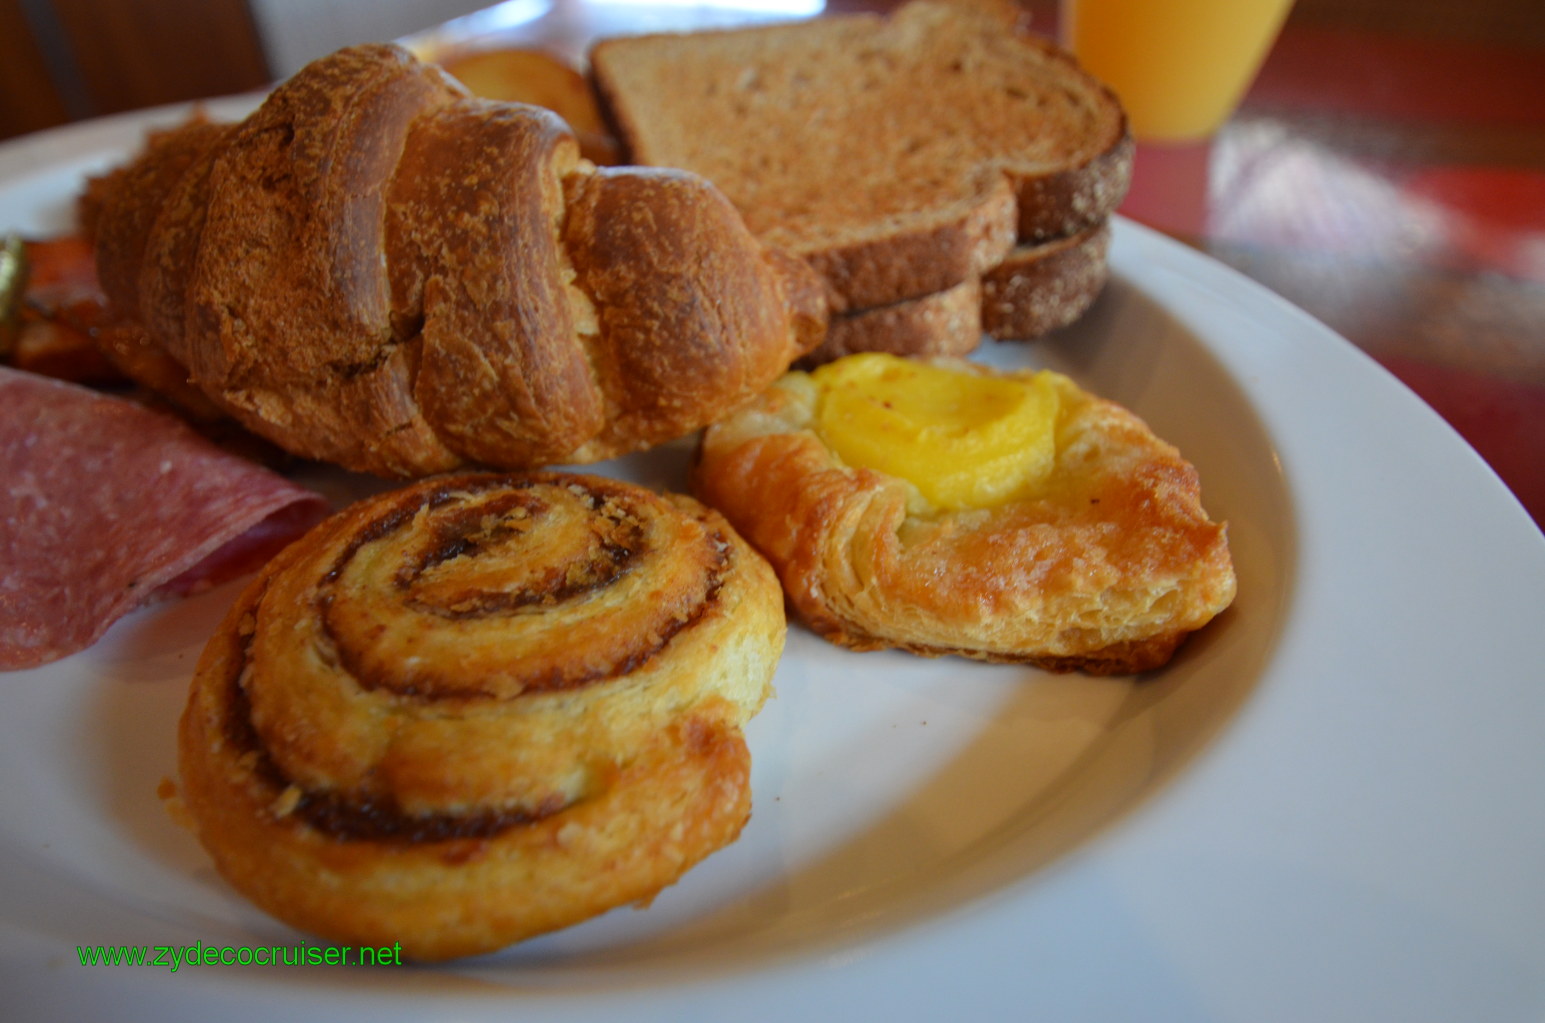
{"x": 1179, "y": 66}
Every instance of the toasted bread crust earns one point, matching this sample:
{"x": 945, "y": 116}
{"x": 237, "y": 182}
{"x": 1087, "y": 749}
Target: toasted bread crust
{"x": 1072, "y": 201}
{"x": 948, "y": 322}
{"x": 1034, "y": 290}
{"x": 1040, "y": 288}
{"x": 950, "y": 249}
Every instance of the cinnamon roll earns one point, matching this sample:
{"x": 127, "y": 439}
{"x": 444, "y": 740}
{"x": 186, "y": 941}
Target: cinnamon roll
{"x": 943, "y": 508}
{"x": 481, "y": 708}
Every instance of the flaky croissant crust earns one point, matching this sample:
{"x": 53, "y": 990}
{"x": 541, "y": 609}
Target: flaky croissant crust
{"x": 1106, "y": 570}
{"x": 480, "y": 708}
{"x": 378, "y": 270}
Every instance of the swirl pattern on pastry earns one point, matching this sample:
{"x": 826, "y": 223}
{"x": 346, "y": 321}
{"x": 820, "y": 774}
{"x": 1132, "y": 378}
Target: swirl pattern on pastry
{"x": 481, "y": 708}
{"x": 1105, "y": 567}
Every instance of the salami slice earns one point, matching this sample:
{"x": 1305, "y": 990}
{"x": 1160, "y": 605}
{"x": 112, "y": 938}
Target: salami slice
{"x": 106, "y": 505}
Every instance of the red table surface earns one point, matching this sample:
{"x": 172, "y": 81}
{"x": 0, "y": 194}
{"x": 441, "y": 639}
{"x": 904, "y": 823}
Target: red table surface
{"x": 1393, "y": 185}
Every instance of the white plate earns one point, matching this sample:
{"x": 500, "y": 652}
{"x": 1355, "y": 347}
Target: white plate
{"x": 1329, "y": 807}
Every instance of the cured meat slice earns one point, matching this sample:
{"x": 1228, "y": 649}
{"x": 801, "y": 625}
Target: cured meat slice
{"x": 106, "y": 505}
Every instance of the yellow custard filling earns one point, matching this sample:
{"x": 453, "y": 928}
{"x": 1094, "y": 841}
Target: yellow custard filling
{"x": 965, "y": 440}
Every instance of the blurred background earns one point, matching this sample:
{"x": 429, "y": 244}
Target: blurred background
{"x": 64, "y": 60}
{"x": 1386, "y": 170}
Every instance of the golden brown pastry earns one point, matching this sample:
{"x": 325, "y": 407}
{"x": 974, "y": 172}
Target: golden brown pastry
{"x": 525, "y": 75}
{"x": 481, "y": 708}
{"x": 945, "y": 509}
{"x": 378, "y": 270}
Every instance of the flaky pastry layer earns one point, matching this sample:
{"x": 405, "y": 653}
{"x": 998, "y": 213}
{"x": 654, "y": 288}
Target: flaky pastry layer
{"x": 1105, "y": 568}
{"x": 377, "y": 270}
{"x": 481, "y": 708}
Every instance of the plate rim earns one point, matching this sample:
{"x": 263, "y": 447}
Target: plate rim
{"x": 1134, "y": 246}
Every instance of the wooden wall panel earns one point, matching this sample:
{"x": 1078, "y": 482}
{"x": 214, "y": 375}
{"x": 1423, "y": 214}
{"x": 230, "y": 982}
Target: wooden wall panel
{"x": 29, "y": 101}
{"x": 134, "y": 54}
{"x": 66, "y": 59}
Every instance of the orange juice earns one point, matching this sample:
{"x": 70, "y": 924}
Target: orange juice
{"x": 1179, "y": 66}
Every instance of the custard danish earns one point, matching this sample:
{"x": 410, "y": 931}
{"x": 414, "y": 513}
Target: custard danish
{"x": 939, "y": 507}
{"x": 481, "y": 708}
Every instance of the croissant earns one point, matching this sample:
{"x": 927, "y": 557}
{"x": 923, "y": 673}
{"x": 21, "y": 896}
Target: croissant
{"x": 377, "y": 270}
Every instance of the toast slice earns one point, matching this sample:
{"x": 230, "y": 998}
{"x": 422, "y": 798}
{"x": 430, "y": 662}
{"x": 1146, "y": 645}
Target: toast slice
{"x": 1044, "y": 286}
{"x": 899, "y": 155}
{"x": 947, "y": 322}
{"x": 1036, "y": 289}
